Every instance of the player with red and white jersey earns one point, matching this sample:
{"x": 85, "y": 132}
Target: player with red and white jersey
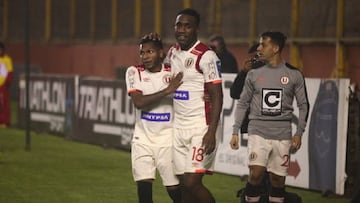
{"x": 196, "y": 119}
{"x": 150, "y": 87}
{"x": 6, "y": 74}
{"x": 153, "y": 124}
{"x": 200, "y": 67}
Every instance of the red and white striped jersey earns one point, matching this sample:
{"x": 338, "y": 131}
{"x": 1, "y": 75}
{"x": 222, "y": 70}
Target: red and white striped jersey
{"x": 200, "y": 66}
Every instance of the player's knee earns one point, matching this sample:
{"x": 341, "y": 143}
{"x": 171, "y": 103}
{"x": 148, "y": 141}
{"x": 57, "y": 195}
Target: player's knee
{"x": 277, "y": 181}
{"x": 256, "y": 177}
{"x": 191, "y": 182}
{"x": 256, "y": 174}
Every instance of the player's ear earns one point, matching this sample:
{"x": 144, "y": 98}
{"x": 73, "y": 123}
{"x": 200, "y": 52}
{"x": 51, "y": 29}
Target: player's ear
{"x": 276, "y": 49}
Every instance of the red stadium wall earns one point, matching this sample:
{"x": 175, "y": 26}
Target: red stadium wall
{"x": 101, "y": 60}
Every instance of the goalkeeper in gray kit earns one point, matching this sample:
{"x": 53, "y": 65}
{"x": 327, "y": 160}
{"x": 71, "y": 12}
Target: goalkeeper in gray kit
{"x": 269, "y": 92}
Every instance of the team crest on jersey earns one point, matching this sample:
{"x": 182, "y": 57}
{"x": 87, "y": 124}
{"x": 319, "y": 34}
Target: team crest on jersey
{"x": 252, "y": 156}
{"x": 166, "y": 79}
{"x": 284, "y": 80}
{"x": 189, "y": 62}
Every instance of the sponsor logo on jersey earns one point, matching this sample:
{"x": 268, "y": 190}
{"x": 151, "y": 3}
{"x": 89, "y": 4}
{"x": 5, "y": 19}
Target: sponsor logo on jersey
{"x": 261, "y": 79}
{"x": 218, "y": 66}
{"x": 271, "y": 102}
{"x": 156, "y": 117}
{"x": 181, "y": 95}
{"x": 189, "y": 62}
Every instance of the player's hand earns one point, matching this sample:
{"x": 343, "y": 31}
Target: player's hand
{"x": 234, "y": 142}
{"x": 247, "y": 65}
{"x": 174, "y": 83}
{"x": 296, "y": 142}
{"x": 209, "y": 143}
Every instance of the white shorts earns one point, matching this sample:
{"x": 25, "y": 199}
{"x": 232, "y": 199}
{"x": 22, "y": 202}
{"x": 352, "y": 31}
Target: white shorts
{"x": 272, "y": 154}
{"x": 146, "y": 159}
{"x": 189, "y": 155}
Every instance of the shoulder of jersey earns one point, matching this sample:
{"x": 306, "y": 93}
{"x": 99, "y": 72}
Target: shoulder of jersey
{"x": 140, "y": 68}
{"x": 293, "y": 68}
{"x": 200, "y": 49}
{"x": 288, "y": 65}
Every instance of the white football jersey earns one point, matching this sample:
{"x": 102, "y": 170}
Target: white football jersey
{"x": 200, "y": 66}
{"x": 153, "y": 124}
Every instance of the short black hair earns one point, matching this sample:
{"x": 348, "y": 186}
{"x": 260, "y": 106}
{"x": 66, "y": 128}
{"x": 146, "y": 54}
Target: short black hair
{"x": 156, "y": 41}
{"x": 277, "y": 38}
{"x": 190, "y": 12}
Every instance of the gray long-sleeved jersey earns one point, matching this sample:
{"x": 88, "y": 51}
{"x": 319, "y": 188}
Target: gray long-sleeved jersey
{"x": 269, "y": 92}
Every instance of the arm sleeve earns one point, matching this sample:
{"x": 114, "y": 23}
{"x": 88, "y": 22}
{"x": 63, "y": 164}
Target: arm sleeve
{"x": 210, "y": 65}
{"x": 302, "y": 103}
{"x": 132, "y": 79}
{"x": 243, "y": 104}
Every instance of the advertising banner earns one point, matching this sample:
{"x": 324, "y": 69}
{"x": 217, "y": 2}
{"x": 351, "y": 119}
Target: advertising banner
{"x": 99, "y": 111}
{"x": 51, "y": 103}
{"x": 320, "y": 163}
{"x": 104, "y": 114}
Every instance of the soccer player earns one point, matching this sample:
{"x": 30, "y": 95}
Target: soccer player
{"x": 269, "y": 91}
{"x": 6, "y": 72}
{"x": 196, "y": 120}
{"x": 150, "y": 86}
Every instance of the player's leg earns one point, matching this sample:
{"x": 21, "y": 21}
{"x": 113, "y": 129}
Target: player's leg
{"x": 277, "y": 189}
{"x": 181, "y": 143}
{"x": 144, "y": 191}
{"x": 198, "y": 163}
{"x": 278, "y": 167}
{"x": 163, "y": 160}
{"x": 254, "y": 186}
{"x": 196, "y": 189}
{"x": 143, "y": 168}
{"x": 258, "y": 150}
{"x": 174, "y": 193}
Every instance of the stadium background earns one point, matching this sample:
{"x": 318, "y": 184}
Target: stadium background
{"x": 96, "y": 38}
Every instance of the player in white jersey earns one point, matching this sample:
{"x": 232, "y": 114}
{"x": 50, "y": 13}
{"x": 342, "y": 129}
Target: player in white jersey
{"x": 196, "y": 120}
{"x": 269, "y": 92}
{"x": 150, "y": 86}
